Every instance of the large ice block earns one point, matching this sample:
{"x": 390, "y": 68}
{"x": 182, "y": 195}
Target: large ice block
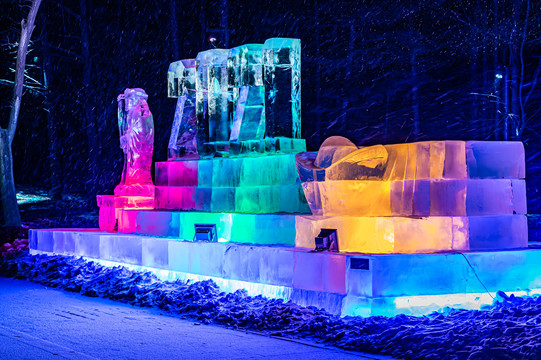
{"x": 245, "y": 70}
{"x": 262, "y": 229}
{"x": 414, "y": 161}
{"x": 212, "y": 106}
{"x": 426, "y": 197}
{"x": 183, "y": 140}
{"x": 282, "y": 78}
{"x": 396, "y": 234}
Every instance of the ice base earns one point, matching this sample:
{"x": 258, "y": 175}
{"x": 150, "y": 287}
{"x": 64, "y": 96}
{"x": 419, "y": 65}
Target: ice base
{"x": 345, "y": 284}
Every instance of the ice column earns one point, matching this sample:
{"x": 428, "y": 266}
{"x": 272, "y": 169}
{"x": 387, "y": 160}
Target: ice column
{"x": 137, "y": 141}
{"x": 212, "y": 105}
{"x": 282, "y": 78}
{"x": 245, "y": 72}
{"x": 181, "y": 84}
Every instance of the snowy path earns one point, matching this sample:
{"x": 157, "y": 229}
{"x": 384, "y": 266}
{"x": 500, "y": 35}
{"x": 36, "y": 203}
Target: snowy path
{"x": 42, "y": 323}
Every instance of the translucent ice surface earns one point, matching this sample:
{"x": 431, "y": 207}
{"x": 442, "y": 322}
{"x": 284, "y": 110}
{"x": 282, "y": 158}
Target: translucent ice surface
{"x": 183, "y": 139}
{"x": 282, "y": 78}
{"x": 137, "y": 141}
{"x": 245, "y": 71}
{"x": 212, "y": 106}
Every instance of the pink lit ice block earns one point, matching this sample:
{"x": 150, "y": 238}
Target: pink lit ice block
{"x": 110, "y": 205}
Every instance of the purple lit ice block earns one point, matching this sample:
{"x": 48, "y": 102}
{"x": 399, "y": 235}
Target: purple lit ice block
{"x": 345, "y": 284}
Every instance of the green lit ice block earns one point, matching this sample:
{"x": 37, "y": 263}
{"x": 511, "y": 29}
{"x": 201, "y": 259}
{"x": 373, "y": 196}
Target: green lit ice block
{"x": 212, "y": 106}
{"x": 181, "y": 78}
{"x": 282, "y": 81}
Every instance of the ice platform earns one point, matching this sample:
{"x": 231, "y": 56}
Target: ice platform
{"x": 342, "y": 283}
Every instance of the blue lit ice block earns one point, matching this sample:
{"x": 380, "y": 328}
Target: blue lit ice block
{"x": 181, "y": 84}
{"x": 282, "y": 78}
{"x": 212, "y": 106}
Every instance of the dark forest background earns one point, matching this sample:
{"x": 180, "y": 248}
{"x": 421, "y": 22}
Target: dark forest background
{"x": 374, "y": 71}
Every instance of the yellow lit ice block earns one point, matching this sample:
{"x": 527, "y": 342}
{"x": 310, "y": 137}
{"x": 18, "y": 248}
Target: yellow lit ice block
{"x": 426, "y": 197}
{"x": 380, "y": 235}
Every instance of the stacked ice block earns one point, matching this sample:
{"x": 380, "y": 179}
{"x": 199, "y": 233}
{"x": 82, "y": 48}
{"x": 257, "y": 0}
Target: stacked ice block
{"x": 237, "y": 102}
{"x": 426, "y": 196}
{"x": 259, "y": 185}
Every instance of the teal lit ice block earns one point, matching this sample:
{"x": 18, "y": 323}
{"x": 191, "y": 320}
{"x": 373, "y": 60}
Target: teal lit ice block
{"x": 282, "y": 78}
{"x": 229, "y": 172}
{"x": 261, "y": 229}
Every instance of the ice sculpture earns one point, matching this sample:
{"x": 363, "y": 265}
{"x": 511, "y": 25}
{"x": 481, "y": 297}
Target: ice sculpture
{"x": 181, "y": 84}
{"x": 245, "y": 71}
{"x": 282, "y": 77}
{"x": 136, "y": 190}
{"x": 137, "y": 141}
{"x": 212, "y": 106}
{"x": 425, "y": 196}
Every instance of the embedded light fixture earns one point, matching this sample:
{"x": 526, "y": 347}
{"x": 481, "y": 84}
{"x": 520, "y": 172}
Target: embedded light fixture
{"x": 205, "y": 232}
{"x": 327, "y": 240}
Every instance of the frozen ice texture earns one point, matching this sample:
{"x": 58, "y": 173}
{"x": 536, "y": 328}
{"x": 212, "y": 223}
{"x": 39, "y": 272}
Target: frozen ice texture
{"x": 266, "y": 184}
{"x": 381, "y": 235}
{"x": 212, "y": 105}
{"x": 282, "y": 79}
{"x": 245, "y": 71}
{"x": 183, "y": 139}
{"x": 136, "y": 128}
{"x": 426, "y": 197}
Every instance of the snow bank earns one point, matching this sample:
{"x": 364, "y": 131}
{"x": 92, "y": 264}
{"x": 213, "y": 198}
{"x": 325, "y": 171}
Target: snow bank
{"x": 509, "y": 329}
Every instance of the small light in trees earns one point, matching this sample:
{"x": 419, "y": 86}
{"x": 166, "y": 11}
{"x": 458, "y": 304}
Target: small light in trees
{"x": 499, "y": 76}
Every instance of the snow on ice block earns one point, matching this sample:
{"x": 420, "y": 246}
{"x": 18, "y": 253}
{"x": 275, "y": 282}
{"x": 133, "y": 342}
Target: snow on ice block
{"x": 380, "y": 235}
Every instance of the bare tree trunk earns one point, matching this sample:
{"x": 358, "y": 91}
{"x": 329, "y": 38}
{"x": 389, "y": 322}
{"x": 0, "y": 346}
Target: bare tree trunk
{"x": 10, "y": 210}
{"x": 90, "y": 125}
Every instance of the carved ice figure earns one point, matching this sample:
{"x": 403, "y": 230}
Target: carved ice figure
{"x": 282, "y": 77}
{"x": 137, "y": 141}
{"x": 212, "y": 105}
{"x": 245, "y": 71}
{"x": 181, "y": 84}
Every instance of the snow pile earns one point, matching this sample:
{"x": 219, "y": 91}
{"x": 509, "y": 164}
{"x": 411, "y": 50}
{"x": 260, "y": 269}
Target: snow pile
{"x": 16, "y": 247}
{"x": 510, "y": 329}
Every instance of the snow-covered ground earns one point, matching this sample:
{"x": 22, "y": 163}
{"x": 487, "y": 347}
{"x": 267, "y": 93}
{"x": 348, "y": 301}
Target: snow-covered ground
{"x": 510, "y": 329}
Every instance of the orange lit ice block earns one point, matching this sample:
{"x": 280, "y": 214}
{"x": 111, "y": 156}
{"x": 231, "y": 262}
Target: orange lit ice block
{"x": 419, "y": 197}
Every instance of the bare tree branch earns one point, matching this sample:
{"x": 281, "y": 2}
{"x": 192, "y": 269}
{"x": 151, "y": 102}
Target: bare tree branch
{"x": 27, "y": 26}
